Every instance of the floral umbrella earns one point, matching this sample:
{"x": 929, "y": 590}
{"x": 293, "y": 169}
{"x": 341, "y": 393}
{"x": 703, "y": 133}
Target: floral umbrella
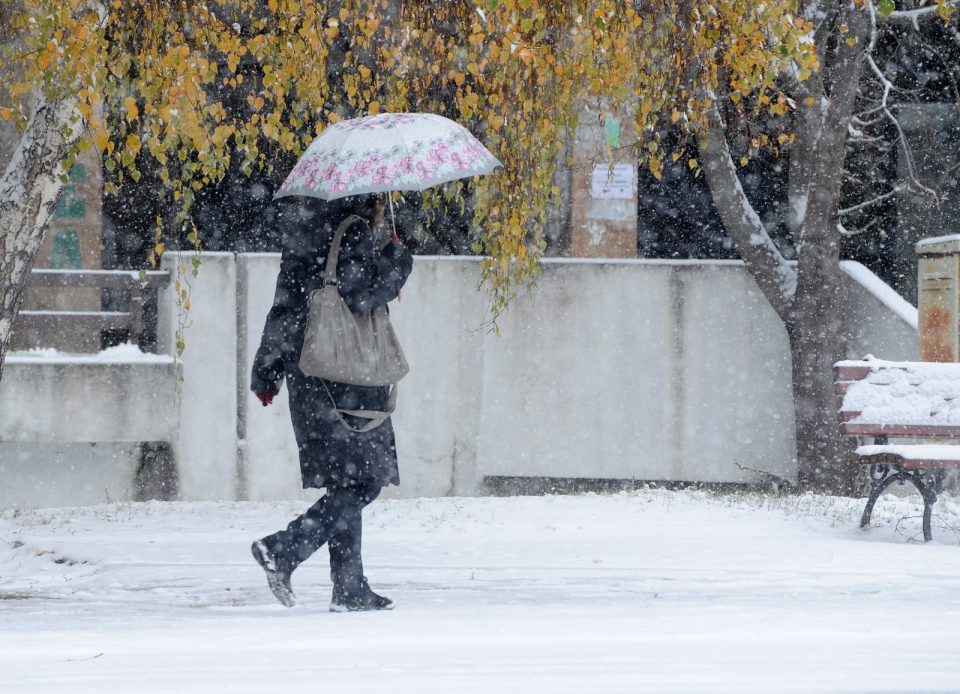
{"x": 390, "y": 151}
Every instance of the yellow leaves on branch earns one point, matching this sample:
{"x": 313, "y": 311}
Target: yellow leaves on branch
{"x": 130, "y": 105}
{"x": 196, "y": 85}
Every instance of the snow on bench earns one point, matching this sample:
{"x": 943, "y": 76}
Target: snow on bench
{"x": 899, "y": 398}
{"x": 907, "y": 400}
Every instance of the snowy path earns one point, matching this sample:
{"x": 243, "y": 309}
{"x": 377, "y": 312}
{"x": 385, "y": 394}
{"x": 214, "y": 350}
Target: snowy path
{"x": 649, "y": 592}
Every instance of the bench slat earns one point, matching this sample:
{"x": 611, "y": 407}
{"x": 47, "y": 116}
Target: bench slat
{"x": 903, "y": 430}
{"x": 83, "y": 320}
{"x": 849, "y": 372}
{"x": 910, "y": 455}
{"x": 97, "y": 278}
{"x": 850, "y": 415}
{"x": 906, "y": 463}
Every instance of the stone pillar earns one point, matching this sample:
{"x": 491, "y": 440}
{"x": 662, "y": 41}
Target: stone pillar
{"x": 206, "y": 452}
{"x": 603, "y": 218}
{"x": 938, "y": 291}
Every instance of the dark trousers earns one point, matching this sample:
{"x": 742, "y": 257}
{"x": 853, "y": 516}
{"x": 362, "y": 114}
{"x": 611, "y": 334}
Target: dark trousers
{"x": 336, "y": 519}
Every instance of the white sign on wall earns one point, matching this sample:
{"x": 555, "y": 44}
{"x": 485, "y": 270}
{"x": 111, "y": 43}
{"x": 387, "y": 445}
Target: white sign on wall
{"x": 616, "y": 183}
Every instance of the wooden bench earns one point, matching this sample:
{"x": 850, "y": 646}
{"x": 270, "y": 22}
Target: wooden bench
{"x": 93, "y": 321}
{"x": 901, "y": 400}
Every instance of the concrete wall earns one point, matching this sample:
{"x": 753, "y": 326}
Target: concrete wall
{"x": 879, "y": 321}
{"x": 58, "y": 474}
{"x": 48, "y": 401}
{"x": 71, "y": 427}
{"x": 649, "y": 370}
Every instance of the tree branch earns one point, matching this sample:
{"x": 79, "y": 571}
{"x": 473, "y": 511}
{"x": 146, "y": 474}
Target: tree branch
{"x": 871, "y": 202}
{"x": 771, "y": 271}
{"x": 912, "y": 17}
{"x": 856, "y": 232}
{"x": 908, "y": 155}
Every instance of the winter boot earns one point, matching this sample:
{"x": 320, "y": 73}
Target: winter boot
{"x": 362, "y": 600}
{"x": 277, "y": 578}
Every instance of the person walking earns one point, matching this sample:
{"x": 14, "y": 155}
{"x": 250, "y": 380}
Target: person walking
{"x": 351, "y": 466}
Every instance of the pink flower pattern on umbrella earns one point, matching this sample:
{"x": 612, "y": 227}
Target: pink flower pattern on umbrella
{"x": 438, "y": 155}
{"x": 383, "y": 176}
{"x": 387, "y": 151}
{"x": 424, "y": 171}
{"x": 314, "y": 179}
{"x": 337, "y": 183}
{"x": 360, "y": 169}
{"x": 460, "y": 160}
{"x": 405, "y": 165}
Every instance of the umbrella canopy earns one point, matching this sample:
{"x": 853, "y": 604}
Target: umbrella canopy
{"x": 389, "y": 151}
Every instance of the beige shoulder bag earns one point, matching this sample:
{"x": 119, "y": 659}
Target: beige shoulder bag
{"x": 356, "y": 348}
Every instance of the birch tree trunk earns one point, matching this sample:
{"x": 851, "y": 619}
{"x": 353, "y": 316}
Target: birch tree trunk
{"x": 808, "y": 299}
{"x": 29, "y": 190}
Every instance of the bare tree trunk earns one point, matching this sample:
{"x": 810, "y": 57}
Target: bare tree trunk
{"x": 815, "y": 324}
{"x": 809, "y": 300}
{"x": 29, "y": 191}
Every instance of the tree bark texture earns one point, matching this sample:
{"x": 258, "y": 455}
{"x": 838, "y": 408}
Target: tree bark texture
{"x": 815, "y": 325}
{"x": 29, "y": 190}
{"x": 808, "y": 299}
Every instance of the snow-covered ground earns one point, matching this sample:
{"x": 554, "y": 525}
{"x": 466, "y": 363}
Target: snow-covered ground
{"x": 654, "y": 591}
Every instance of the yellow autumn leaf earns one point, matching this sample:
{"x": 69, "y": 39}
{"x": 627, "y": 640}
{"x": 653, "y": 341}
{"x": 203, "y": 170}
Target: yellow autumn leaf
{"x": 130, "y": 105}
{"x": 133, "y": 144}
{"x": 101, "y": 139}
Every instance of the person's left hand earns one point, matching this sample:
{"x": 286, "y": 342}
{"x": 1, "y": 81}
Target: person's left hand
{"x": 265, "y": 398}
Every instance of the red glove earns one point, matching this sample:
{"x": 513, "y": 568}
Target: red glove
{"x": 395, "y": 238}
{"x": 265, "y": 398}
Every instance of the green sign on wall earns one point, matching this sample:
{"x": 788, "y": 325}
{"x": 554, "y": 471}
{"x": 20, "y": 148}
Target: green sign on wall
{"x": 66, "y": 251}
{"x": 71, "y": 205}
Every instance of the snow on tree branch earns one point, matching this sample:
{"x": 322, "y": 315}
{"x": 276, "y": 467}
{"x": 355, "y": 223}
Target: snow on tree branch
{"x": 941, "y": 9}
{"x": 888, "y": 87}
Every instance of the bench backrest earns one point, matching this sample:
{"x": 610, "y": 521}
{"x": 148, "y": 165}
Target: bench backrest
{"x": 93, "y": 321}
{"x": 900, "y": 399}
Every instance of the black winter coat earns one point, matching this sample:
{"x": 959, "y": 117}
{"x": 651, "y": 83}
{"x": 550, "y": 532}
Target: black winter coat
{"x": 330, "y": 455}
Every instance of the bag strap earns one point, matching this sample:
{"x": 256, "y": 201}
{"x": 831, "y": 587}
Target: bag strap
{"x": 376, "y": 417}
{"x": 330, "y": 271}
